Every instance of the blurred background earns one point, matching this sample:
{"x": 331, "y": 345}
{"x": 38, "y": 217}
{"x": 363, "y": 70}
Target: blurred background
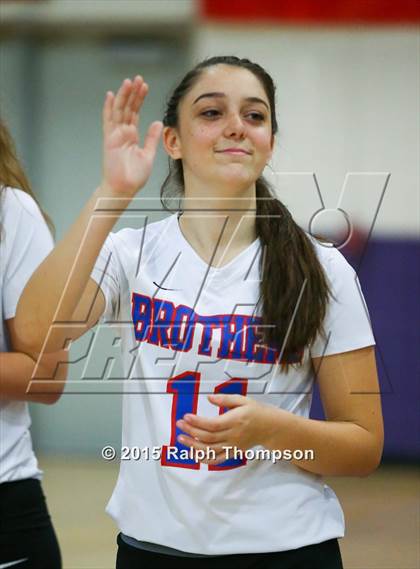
{"x": 347, "y": 75}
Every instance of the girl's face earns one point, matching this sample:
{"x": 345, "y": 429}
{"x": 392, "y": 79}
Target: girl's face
{"x": 224, "y": 129}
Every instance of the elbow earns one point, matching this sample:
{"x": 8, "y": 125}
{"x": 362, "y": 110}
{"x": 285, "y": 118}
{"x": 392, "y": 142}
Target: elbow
{"x": 57, "y": 386}
{"x": 55, "y": 372}
{"x": 368, "y": 469}
{"x": 52, "y": 398}
{"x": 371, "y": 455}
{"x": 45, "y": 398}
{"x": 372, "y": 462}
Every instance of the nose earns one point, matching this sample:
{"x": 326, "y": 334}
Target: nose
{"x": 235, "y": 127}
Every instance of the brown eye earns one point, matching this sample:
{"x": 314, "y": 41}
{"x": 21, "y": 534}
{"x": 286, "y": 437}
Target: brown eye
{"x": 256, "y": 117}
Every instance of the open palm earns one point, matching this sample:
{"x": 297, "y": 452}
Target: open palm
{"x": 127, "y": 166}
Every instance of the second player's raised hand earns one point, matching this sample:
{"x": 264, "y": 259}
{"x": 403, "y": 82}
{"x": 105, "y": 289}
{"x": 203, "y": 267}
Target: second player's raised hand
{"x": 127, "y": 165}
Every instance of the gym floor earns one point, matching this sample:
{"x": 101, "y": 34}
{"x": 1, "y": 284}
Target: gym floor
{"x": 382, "y": 514}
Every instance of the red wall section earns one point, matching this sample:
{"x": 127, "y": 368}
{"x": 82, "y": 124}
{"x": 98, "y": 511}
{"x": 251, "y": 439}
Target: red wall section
{"x": 313, "y": 11}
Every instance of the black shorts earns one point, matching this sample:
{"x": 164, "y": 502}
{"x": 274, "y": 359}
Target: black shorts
{"x": 27, "y": 537}
{"x": 325, "y": 555}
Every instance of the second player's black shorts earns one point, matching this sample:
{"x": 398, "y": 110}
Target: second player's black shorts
{"x": 27, "y": 537}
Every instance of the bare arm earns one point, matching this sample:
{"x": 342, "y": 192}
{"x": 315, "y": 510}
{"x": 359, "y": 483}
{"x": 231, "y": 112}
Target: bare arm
{"x": 348, "y": 443}
{"x": 60, "y": 290}
{"x": 23, "y": 378}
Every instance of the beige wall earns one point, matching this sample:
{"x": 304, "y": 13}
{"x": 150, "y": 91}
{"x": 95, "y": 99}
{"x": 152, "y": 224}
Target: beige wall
{"x": 347, "y": 103}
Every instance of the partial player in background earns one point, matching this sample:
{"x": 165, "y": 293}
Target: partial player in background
{"x": 27, "y": 536}
{"x": 213, "y": 304}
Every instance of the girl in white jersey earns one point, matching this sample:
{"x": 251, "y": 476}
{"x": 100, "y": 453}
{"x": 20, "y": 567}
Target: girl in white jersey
{"x": 227, "y": 312}
{"x": 27, "y": 537}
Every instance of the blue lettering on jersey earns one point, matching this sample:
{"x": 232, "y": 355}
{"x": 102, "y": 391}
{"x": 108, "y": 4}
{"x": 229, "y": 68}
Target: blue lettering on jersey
{"x": 163, "y": 324}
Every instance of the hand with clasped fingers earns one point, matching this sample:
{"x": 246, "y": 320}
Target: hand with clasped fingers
{"x": 243, "y": 425}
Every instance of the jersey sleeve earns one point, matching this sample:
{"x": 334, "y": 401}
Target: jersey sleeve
{"x": 106, "y": 274}
{"x": 347, "y": 322}
{"x": 26, "y": 241}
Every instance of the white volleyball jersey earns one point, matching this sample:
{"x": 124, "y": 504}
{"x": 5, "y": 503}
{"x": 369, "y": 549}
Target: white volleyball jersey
{"x": 25, "y": 241}
{"x": 187, "y": 330}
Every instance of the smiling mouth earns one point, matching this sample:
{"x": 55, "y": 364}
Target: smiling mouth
{"x": 235, "y": 151}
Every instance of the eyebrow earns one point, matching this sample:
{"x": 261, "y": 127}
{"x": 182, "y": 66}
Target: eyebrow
{"x": 221, "y": 95}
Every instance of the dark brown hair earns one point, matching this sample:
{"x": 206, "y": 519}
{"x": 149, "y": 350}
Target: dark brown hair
{"x": 11, "y": 171}
{"x": 294, "y": 291}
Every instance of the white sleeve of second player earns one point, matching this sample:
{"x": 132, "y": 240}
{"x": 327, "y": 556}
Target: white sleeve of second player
{"x": 25, "y": 242}
{"x": 347, "y": 323}
{"x": 106, "y": 274}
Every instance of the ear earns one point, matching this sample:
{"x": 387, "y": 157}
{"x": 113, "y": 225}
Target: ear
{"x": 272, "y": 143}
{"x": 172, "y": 142}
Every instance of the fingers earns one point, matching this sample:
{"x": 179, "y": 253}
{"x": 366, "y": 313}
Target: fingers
{"x": 198, "y": 445}
{"x": 151, "y": 139}
{"x": 121, "y": 100}
{"x": 140, "y": 94}
{"x": 107, "y": 109}
{"x": 219, "y": 459}
{"x": 202, "y": 435}
{"x": 127, "y": 112}
{"x": 124, "y": 107}
{"x": 228, "y": 401}
{"x": 210, "y": 454}
{"x": 137, "y": 95}
{"x": 210, "y": 424}
{"x": 128, "y": 101}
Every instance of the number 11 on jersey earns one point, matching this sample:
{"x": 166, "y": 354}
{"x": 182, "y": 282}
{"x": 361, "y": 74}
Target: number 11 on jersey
{"x": 185, "y": 391}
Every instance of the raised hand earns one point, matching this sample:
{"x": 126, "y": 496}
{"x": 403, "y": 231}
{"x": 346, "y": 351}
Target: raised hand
{"x": 127, "y": 166}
